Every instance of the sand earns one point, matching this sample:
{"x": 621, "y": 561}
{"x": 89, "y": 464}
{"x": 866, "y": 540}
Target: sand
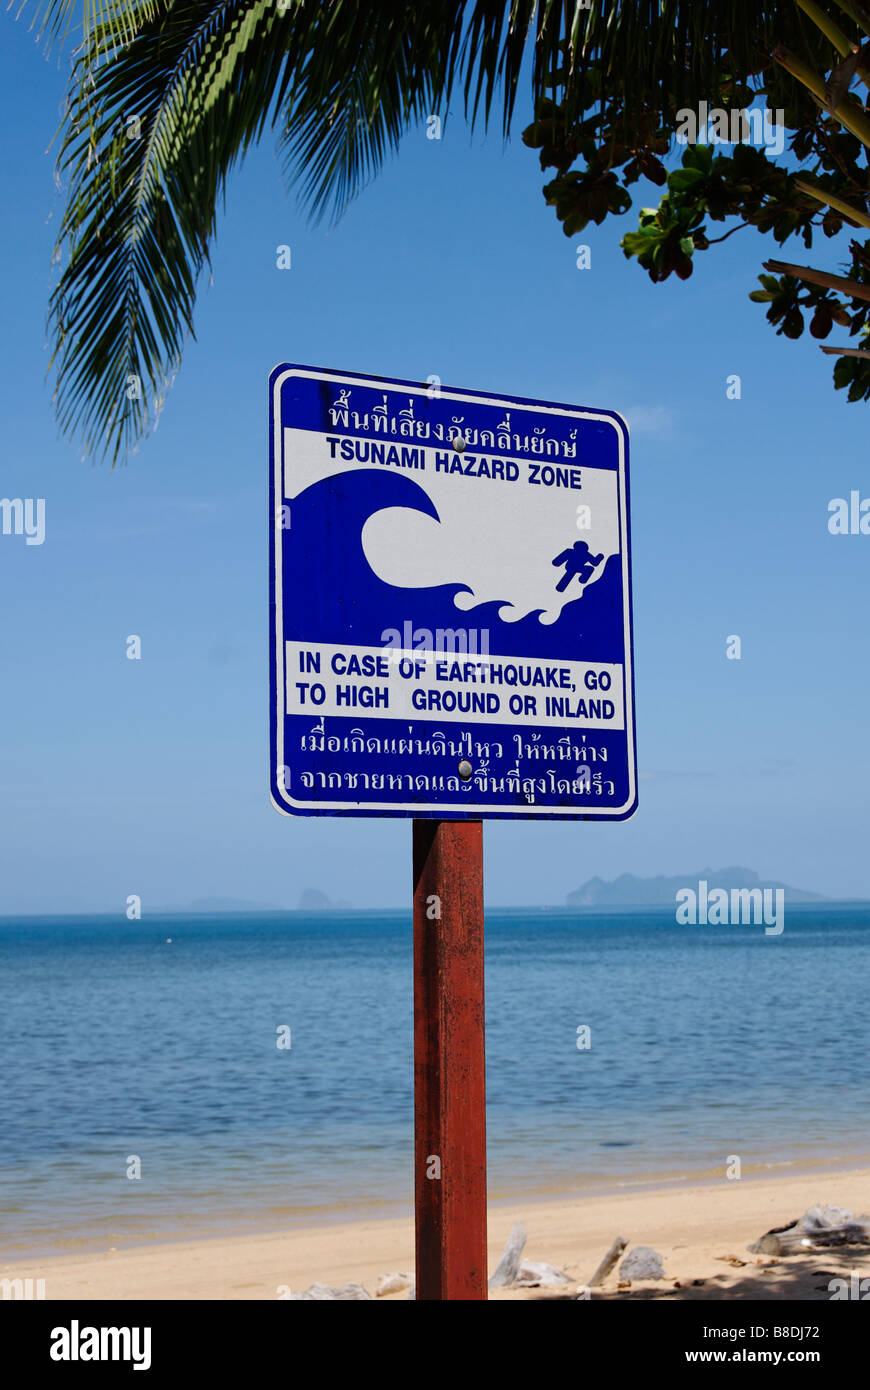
{"x": 700, "y": 1232}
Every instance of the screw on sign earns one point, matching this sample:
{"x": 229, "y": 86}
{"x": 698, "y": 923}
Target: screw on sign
{"x": 426, "y": 665}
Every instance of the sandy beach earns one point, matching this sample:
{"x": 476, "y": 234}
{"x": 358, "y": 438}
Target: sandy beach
{"x": 702, "y": 1234}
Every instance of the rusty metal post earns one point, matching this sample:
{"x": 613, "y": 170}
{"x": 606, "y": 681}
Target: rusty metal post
{"x": 449, "y": 1060}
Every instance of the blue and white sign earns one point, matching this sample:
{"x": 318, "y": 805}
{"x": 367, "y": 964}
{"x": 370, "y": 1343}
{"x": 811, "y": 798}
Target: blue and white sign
{"x": 450, "y": 626}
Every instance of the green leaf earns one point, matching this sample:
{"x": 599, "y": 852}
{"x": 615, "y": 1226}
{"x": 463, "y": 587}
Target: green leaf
{"x": 637, "y": 243}
{"x": 682, "y": 179}
{"x": 843, "y": 371}
{"x": 699, "y": 158}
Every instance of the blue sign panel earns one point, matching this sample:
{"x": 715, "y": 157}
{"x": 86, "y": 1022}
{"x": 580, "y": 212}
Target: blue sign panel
{"x": 450, "y": 624}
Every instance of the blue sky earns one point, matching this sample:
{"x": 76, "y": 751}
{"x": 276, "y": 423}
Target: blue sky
{"x": 150, "y": 777}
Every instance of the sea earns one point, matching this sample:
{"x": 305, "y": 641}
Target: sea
{"x": 144, "y": 1095}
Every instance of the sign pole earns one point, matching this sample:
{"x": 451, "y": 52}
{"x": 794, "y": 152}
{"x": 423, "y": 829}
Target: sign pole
{"x": 449, "y": 1061}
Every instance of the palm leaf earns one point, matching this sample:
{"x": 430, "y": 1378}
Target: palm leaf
{"x": 199, "y": 80}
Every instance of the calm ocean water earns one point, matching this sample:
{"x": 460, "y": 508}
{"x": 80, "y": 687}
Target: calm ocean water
{"x": 706, "y": 1042}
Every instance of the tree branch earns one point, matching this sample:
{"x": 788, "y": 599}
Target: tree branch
{"x": 853, "y": 288}
{"x": 715, "y": 240}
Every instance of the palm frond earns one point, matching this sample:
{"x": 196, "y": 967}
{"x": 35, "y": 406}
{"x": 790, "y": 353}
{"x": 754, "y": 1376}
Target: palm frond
{"x": 150, "y": 140}
{"x": 121, "y": 19}
{"x": 355, "y": 94}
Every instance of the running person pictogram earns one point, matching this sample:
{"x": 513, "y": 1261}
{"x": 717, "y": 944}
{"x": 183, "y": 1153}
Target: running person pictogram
{"x": 577, "y": 560}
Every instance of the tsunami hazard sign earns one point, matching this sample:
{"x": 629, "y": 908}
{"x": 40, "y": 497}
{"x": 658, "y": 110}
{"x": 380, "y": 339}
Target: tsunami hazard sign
{"x": 450, "y": 611}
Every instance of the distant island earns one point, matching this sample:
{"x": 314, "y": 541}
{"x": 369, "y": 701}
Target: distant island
{"x": 315, "y": 900}
{"x": 211, "y": 905}
{"x": 310, "y": 900}
{"x": 629, "y": 891}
